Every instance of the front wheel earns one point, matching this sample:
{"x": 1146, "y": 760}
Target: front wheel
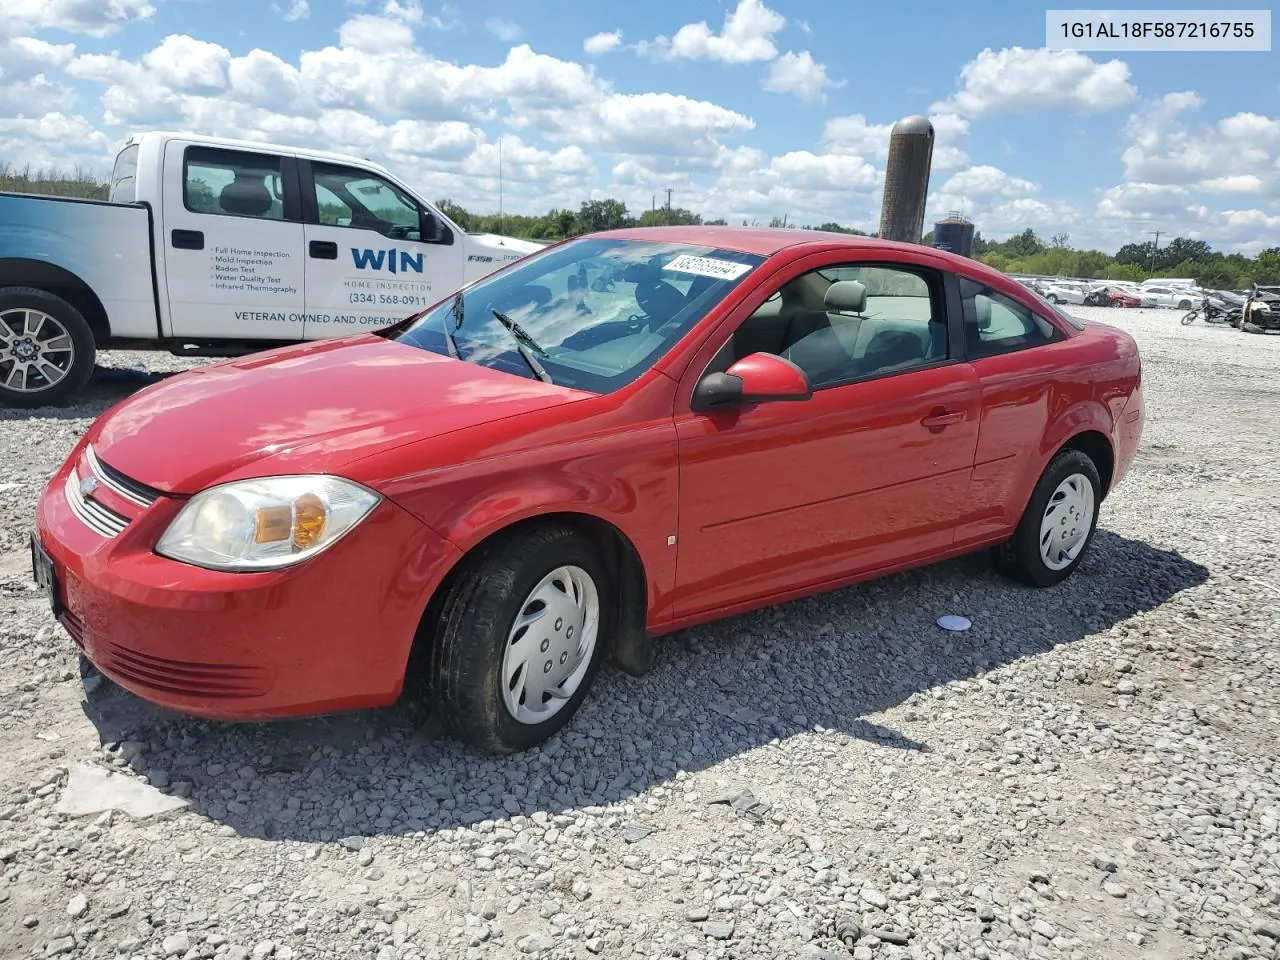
{"x": 46, "y": 348}
{"x": 520, "y": 638}
{"x": 1058, "y": 524}
{"x": 1190, "y": 318}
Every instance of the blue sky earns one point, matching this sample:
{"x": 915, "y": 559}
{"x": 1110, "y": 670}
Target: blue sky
{"x": 745, "y": 108}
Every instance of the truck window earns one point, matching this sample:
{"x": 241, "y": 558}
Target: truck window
{"x": 347, "y": 197}
{"x": 123, "y": 189}
{"x": 231, "y": 183}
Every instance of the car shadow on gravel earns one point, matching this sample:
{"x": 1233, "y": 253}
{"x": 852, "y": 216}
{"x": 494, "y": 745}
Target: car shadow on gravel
{"x": 717, "y": 692}
{"x": 107, "y": 386}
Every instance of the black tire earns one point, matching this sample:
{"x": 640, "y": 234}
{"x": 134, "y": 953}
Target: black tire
{"x": 77, "y": 328}
{"x": 1184, "y": 304}
{"x": 471, "y": 632}
{"x": 1190, "y": 318}
{"x": 1019, "y": 556}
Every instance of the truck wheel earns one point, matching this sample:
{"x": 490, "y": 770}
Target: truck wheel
{"x": 520, "y": 638}
{"x": 1058, "y": 525}
{"x": 46, "y": 348}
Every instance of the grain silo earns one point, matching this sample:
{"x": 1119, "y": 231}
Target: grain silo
{"x": 955, "y": 233}
{"x": 906, "y": 180}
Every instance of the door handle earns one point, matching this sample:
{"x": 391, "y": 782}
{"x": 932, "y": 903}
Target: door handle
{"x": 943, "y": 419}
{"x": 323, "y": 250}
{"x": 187, "y": 239}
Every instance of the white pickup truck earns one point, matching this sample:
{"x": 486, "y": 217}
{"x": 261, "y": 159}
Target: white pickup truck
{"x": 215, "y": 247}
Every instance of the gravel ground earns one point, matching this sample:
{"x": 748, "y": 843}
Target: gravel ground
{"x": 1089, "y": 772}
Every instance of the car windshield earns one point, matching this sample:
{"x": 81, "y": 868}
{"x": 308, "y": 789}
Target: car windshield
{"x": 591, "y": 314}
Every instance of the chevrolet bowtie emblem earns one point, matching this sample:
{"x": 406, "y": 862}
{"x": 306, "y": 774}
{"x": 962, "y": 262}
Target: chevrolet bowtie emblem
{"x": 88, "y": 485}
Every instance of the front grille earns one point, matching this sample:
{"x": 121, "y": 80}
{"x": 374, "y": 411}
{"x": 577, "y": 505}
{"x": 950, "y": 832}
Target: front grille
{"x": 183, "y": 676}
{"x": 92, "y": 514}
{"x": 133, "y": 491}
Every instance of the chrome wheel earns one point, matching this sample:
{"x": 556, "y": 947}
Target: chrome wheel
{"x": 550, "y": 645}
{"x": 36, "y": 351}
{"x": 1067, "y": 520}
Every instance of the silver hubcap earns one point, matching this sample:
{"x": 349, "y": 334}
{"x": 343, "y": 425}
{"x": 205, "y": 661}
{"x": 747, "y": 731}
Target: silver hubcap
{"x": 36, "y": 351}
{"x": 1066, "y": 522}
{"x": 550, "y": 645}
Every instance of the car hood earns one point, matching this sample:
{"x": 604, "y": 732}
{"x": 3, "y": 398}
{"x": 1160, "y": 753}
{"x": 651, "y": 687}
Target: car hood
{"x": 311, "y": 408}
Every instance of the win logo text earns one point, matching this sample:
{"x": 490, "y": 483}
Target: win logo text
{"x": 387, "y": 260}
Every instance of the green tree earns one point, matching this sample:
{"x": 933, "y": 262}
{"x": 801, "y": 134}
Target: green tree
{"x": 607, "y": 214}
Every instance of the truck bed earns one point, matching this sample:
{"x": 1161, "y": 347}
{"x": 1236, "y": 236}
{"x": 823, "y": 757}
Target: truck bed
{"x": 106, "y": 246}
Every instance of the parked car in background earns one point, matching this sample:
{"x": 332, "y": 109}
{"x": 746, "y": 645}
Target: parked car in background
{"x": 1108, "y": 295}
{"x": 215, "y": 247}
{"x": 542, "y": 471}
{"x": 1065, "y": 291}
{"x": 1180, "y": 298}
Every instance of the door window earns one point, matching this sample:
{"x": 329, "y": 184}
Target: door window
{"x": 356, "y": 198}
{"x": 232, "y": 183}
{"x": 848, "y": 322}
{"x": 995, "y": 323}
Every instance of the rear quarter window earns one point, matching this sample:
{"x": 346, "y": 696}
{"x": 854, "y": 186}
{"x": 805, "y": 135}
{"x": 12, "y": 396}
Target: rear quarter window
{"x": 124, "y": 176}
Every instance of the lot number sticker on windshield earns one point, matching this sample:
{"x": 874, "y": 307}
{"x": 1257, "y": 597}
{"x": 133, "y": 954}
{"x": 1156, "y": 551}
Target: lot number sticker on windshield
{"x": 708, "y": 267}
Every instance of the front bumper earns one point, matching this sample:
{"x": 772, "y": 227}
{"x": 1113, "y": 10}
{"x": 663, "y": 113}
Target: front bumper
{"x": 333, "y": 633}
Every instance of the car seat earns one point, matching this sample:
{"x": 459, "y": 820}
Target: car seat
{"x": 246, "y": 195}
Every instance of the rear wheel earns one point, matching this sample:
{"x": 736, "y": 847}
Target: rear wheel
{"x": 520, "y": 638}
{"x": 46, "y": 348}
{"x": 1184, "y": 304}
{"x": 1058, "y": 524}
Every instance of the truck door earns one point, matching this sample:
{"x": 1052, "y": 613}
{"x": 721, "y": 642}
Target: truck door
{"x": 374, "y": 254}
{"x": 232, "y": 243}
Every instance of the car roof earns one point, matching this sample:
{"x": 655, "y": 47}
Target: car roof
{"x": 767, "y": 241}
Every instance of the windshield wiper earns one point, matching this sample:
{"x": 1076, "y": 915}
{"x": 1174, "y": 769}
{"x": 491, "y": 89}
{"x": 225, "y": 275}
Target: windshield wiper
{"x": 526, "y": 345}
{"x": 450, "y": 339}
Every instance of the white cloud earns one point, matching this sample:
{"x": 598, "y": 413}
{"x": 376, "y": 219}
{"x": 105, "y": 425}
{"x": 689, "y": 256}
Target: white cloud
{"x": 746, "y": 37}
{"x": 505, "y": 30}
{"x": 26, "y": 89}
{"x": 985, "y": 180}
{"x": 1241, "y": 184}
{"x": 1236, "y": 154}
{"x": 798, "y": 74}
{"x": 1016, "y": 78}
{"x": 54, "y": 140}
{"x": 664, "y": 122}
{"x": 300, "y": 10}
{"x": 601, "y": 43}
{"x": 95, "y": 18}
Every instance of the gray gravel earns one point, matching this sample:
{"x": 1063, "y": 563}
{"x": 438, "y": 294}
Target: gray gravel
{"x": 1090, "y": 772}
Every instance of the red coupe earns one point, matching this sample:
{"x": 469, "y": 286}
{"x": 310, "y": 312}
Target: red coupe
{"x": 618, "y": 436}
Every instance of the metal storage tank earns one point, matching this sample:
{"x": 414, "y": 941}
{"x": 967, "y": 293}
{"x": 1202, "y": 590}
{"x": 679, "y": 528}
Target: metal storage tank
{"x": 906, "y": 180}
{"x": 955, "y": 233}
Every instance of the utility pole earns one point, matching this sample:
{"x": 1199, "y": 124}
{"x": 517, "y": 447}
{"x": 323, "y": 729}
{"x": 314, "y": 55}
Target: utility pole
{"x": 500, "y": 185}
{"x": 668, "y": 205}
{"x": 1154, "y": 248}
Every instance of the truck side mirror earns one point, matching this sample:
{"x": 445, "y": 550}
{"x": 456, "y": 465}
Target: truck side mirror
{"x": 434, "y": 230}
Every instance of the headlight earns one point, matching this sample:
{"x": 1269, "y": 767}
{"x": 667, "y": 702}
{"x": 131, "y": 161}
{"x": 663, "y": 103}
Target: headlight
{"x": 265, "y": 524}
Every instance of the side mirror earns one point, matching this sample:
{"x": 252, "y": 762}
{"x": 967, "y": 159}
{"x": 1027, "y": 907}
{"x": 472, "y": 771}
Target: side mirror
{"x": 757, "y": 378}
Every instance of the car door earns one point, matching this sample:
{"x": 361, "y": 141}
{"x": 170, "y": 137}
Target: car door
{"x": 869, "y": 472}
{"x": 232, "y": 243}
{"x": 1015, "y": 354}
{"x": 374, "y": 254}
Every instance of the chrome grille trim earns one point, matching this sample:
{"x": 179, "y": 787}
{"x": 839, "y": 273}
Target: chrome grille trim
{"x": 95, "y": 516}
{"x": 136, "y": 493}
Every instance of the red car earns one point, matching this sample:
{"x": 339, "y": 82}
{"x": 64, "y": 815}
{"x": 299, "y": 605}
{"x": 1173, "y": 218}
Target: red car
{"x": 615, "y": 437}
{"x": 1122, "y": 298}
